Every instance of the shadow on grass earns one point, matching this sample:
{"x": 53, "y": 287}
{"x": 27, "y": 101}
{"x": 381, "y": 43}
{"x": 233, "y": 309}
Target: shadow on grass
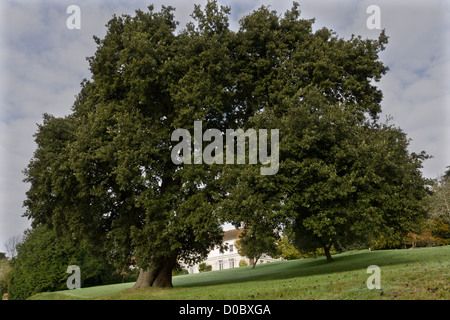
{"x": 311, "y": 266}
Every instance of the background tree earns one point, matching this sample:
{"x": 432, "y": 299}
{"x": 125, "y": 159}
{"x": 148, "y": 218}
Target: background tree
{"x": 11, "y": 245}
{"x": 435, "y": 229}
{"x": 255, "y": 242}
{"x": 440, "y": 199}
{"x": 286, "y": 250}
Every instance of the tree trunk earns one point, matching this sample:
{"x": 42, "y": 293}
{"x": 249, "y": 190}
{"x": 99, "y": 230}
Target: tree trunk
{"x": 159, "y": 275}
{"x": 327, "y": 253}
{"x": 145, "y": 279}
{"x": 164, "y": 277}
{"x": 255, "y": 260}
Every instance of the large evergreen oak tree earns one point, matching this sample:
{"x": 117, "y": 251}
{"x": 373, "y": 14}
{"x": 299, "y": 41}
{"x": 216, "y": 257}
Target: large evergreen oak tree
{"x": 104, "y": 173}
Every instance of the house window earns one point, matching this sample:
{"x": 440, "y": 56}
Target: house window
{"x": 231, "y": 248}
{"x": 231, "y": 262}
{"x": 220, "y": 264}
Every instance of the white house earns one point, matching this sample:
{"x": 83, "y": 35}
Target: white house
{"x": 229, "y": 258}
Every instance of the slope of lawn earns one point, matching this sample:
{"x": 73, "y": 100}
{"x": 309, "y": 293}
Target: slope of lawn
{"x": 405, "y": 274}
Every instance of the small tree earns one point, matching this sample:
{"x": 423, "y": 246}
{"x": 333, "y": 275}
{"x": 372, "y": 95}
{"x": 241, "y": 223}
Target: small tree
{"x": 256, "y": 241}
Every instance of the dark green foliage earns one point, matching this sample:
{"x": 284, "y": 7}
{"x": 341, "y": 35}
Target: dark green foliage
{"x": 112, "y": 181}
{"x": 40, "y": 265}
{"x": 42, "y": 260}
{"x": 317, "y": 90}
{"x": 347, "y": 180}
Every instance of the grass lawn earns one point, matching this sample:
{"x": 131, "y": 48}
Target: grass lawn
{"x": 405, "y": 274}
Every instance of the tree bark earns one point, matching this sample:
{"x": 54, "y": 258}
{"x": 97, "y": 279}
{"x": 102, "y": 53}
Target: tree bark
{"x": 327, "y": 253}
{"x": 159, "y": 275}
{"x": 164, "y": 277}
{"x": 255, "y": 260}
{"x": 145, "y": 279}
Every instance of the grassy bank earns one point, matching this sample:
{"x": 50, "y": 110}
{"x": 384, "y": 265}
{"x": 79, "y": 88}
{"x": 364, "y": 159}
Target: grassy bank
{"x": 405, "y": 274}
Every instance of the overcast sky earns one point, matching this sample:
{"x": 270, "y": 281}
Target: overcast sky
{"x": 42, "y": 63}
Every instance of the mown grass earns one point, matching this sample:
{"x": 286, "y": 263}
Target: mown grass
{"x": 405, "y": 274}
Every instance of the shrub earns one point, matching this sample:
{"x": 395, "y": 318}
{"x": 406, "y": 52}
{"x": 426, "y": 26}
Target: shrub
{"x": 179, "y": 272}
{"x": 432, "y": 233}
{"x": 203, "y": 267}
{"x": 243, "y": 263}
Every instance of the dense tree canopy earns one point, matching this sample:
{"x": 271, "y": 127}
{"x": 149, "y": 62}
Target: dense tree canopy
{"x": 105, "y": 174}
{"x": 343, "y": 179}
{"x": 350, "y": 180}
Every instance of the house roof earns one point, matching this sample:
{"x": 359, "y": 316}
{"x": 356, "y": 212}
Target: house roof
{"x": 232, "y": 234}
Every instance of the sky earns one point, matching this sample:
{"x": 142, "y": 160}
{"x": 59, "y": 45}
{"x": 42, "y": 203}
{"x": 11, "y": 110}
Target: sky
{"x": 42, "y": 63}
